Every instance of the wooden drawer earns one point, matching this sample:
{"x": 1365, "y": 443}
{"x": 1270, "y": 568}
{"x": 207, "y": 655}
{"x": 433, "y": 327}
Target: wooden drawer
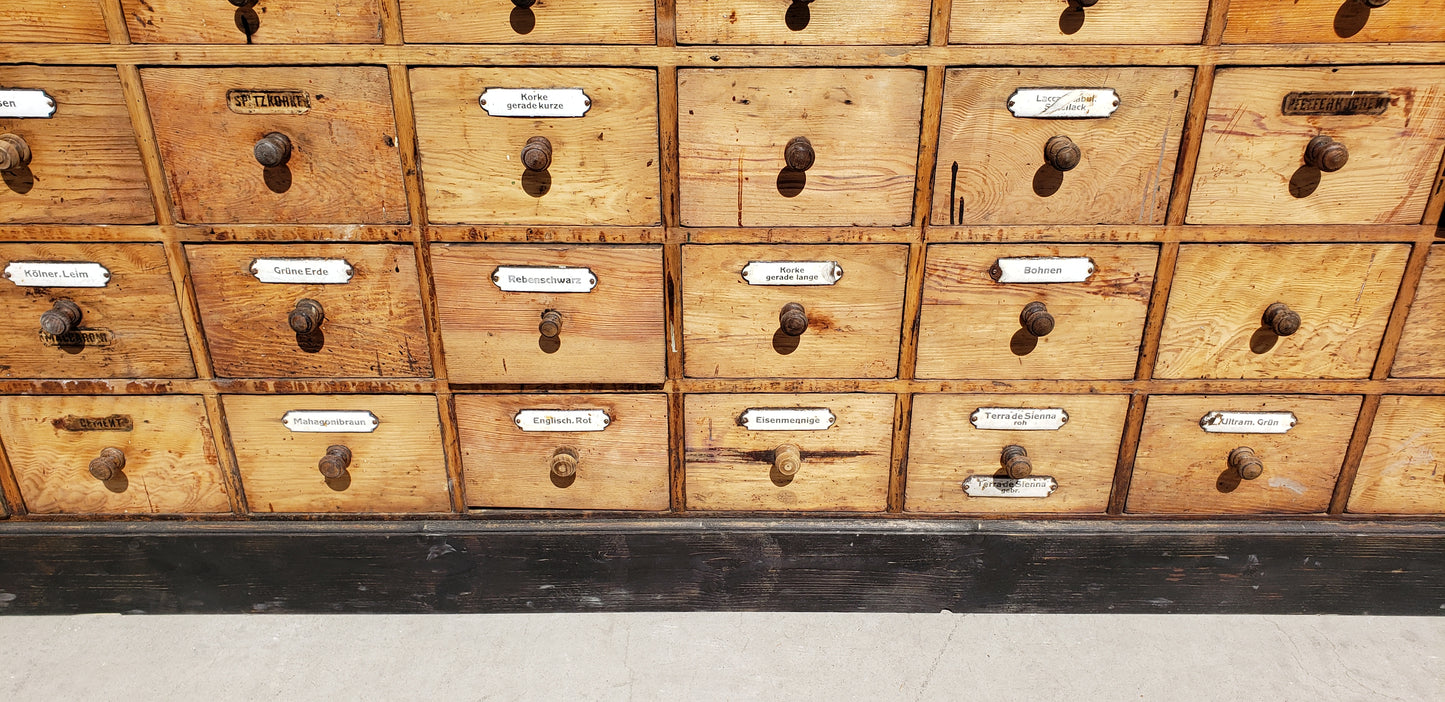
{"x": 370, "y": 326}
{"x": 259, "y": 22}
{"x": 1323, "y": 21}
{"x": 1182, "y": 468}
{"x": 342, "y": 167}
{"x": 571, "y": 22}
{"x": 1252, "y": 164}
{"x": 168, "y": 454}
{"x": 1072, "y": 440}
{"x": 972, "y": 326}
{"x": 843, "y": 467}
{"x": 1419, "y": 355}
{"x": 78, "y": 21}
{"x": 398, "y": 466}
{"x": 992, "y": 166}
{"x": 493, "y": 327}
{"x": 733, "y": 328}
{"x": 1119, "y": 22}
{"x": 517, "y": 453}
{"x": 1400, "y": 472}
{"x": 128, "y": 326}
{"x": 603, "y": 165}
{"x": 84, "y": 166}
{"x": 1219, "y": 323}
{"x": 861, "y": 125}
{"x": 773, "y": 22}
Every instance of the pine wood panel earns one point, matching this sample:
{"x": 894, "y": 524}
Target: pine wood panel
{"x": 969, "y": 325}
{"x": 373, "y": 325}
{"x": 568, "y": 22}
{"x": 1181, "y": 469}
{"x": 269, "y": 22}
{"x": 345, "y": 166}
{"x": 1322, "y": 21}
{"x": 1120, "y": 22}
{"x": 731, "y": 329}
{"x": 622, "y": 467}
{"x": 170, "y": 454}
{"x": 604, "y": 165}
{"x": 782, "y": 23}
{"x": 1343, "y": 294}
{"x": 399, "y": 467}
{"x": 844, "y": 468}
{"x": 56, "y": 21}
{"x": 1400, "y": 472}
{"x": 137, "y": 311}
{"x": 1421, "y": 344}
{"x": 863, "y": 125}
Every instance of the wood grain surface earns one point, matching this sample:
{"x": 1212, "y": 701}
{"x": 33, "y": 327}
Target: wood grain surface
{"x": 269, "y": 22}
{"x": 1420, "y": 354}
{"x": 545, "y": 22}
{"x": 53, "y": 21}
{"x": 1028, "y": 22}
{"x": 1323, "y": 21}
{"x": 1401, "y": 472}
{"x": 777, "y": 22}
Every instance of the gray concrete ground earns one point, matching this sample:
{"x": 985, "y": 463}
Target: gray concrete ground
{"x": 722, "y": 657}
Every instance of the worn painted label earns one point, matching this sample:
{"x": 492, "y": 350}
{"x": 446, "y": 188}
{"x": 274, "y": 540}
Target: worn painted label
{"x": 57, "y": 274}
{"x": 1019, "y": 418}
{"x": 268, "y": 102}
{"x": 302, "y": 271}
{"x": 93, "y": 338}
{"x": 1063, "y": 103}
{"x": 994, "y": 486}
{"x": 535, "y": 102}
{"x": 1042, "y": 269}
{"x": 115, "y": 422}
{"x": 25, "y": 103}
{"x": 544, "y": 279}
{"x": 792, "y": 272}
{"x": 1346, "y": 102}
{"x": 787, "y": 419}
{"x": 331, "y": 421}
{"x": 562, "y": 420}
{"x": 1248, "y": 422}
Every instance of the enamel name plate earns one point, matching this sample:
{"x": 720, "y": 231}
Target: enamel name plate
{"x": 788, "y": 419}
{"x": 1019, "y": 418}
{"x": 1042, "y": 269}
{"x": 22, "y": 103}
{"x": 1248, "y": 422}
{"x": 992, "y": 486}
{"x": 544, "y": 279}
{"x": 331, "y": 421}
{"x": 302, "y": 271}
{"x": 1063, "y": 103}
{"x": 56, "y": 274}
{"x": 792, "y": 272}
{"x": 535, "y": 102}
{"x": 562, "y": 420}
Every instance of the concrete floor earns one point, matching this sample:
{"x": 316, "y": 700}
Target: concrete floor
{"x": 722, "y": 657}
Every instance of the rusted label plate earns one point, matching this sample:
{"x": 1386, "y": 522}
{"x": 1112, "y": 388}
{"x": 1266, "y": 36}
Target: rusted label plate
{"x": 92, "y": 338}
{"x": 302, "y": 271}
{"x": 562, "y": 420}
{"x": 787, "y": 419}
{"x": 1042, "y": 269}
{"x": 535, "y": 102}
{"x": 1063, "y": 103}
{"x": 1347, "y": 102}
{"x": 1019, "y": 418}
{"x": 792, "y": 272}
{"x": 995, "y": 486}
{"x": 544, "y": 279}
{"x": 57, "y": 274}
{"x": 1248, "y": 422}
{"x": 115, "y": 422}
{"x": 26, "y": 103}
{"x": 331, "y": 421}
{"x": 268, "y": 102}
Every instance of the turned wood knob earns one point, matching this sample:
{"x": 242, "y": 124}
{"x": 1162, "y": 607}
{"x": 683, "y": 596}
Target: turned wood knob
{"x": 537, "y": 154}
{"x": 334, "y": 464}
{"x": 524, "y": 3}
{"x": 564, "y": 462}
{"x": 1326, "y": 154}
{"x": 1244, "y": 462}
{"x": 1015, "y": 461}
{"x": 306, "y": 317}
{"x": 551, "y": 324}
{"x": 1087, "y": 3}
{"x": 1062, "y": 153}
{"x": 108, "y": 464}
{"x": 273, "y": 150}
{"x": 243, "y": 3}
{"x": 793, "y": 319}
{"x": 1377, "y": 3}
{"x": 1280, "y": 318}
{"x": 787, "y": 459}
{"x": 14, "y": 152}
{"x": 61, "y": 318}
{"x": 798, "y": 154}
{"x": 1036, "y": 319}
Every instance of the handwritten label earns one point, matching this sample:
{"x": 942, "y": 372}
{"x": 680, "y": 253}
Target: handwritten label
{"x": 1248, "y": 422}
{"x": 331, "y": 421}
{"x": 995, "y": 486}
{"x": 24, "y": 103}
{"x": 1042, "y": 270}
{"x": 115, "y": 422}
{"x": 562, "y": 420}
{"x": 57, "y": 274}
{"x": 788, "y": 419}
{"x": 268, "y": 102}
{"x": 96, "y": 338}
{"x": 792, "y": 272}
{"x": 544, "y": 279}
{"x": 1019, "y": 419}
{"x": 535, "y": 102}
{"x": 302, "y": 271}
{"x": 1349, "y": 102}
{"x": 1063, "y": 103}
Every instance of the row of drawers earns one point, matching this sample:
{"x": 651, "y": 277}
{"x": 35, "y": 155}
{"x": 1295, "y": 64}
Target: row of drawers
{"x": 157, "y": 454}
{"x": 726, "y": 21}
{"x": 758, "y": 147}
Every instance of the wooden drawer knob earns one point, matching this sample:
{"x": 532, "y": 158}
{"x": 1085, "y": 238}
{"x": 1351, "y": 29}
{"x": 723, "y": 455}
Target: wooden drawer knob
{"x": 1377, "y": 3}
{"x": 62, "y": 317}
{"x": 14, "y": 152}
{"x": 1280, "y": 318}
{"x": 1016, "y": 463}
{"x": 787, "y": 459}
{"x": 1326, "y": 154}
{"x": 1087, "y": 3}
{"x": 524, "y": 3}
{"x": 793, "y": 319}
{"x": 551, "y": 325}
{"x": 108, "y": 464}
{"x": 334, "y": 464}
{"x": 306, "y": 317}
{"x": 273, "y": 150}
{"x": 1244, "y": 462}
{"x": 243, "y": 3}
{"x": 798, "y": 154}
{"x": 1062, "y": 153}
{"x": 1036, "y": 319}
{"x": 537, "y": 154}
{"x": 564, "y": 462}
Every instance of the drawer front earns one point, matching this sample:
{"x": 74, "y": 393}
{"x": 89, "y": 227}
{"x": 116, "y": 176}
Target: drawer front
{"x": 126, "y": 325}
{"x": 600, "y": 167}
{"x": 995, "y": 168}
{"x": 517, "y": 453}
{"x": 259, "y": 22}
{"x": 733, "y": 328}
{"x": 1120, "y": 22}
{"x": 1219, "y": 323}
{"x": 973, "y": 326}
{"x": 861, "y": 127}
{"x": 1182, "y": 469}
{"x": 1324, "y": 21}
{"x": 371, "y": 326}
{"x": 841, "y": 468}
{"x": 79, "y": 166}
{"x": 572, "y": 22}
{"x": 327, "y": 134}
{"x": 397, "y": 467}
{"x": 1400, "y": 472}
{"x": 519, "y": 330}
{"x": 1071, "y": 440}
{"x": 1253, "y": 165}
{"x": 1419, "y": 353}
{"x": 113, "y": 455}
{"x": 771, "y": 22}
{"x": 79, "y": 21}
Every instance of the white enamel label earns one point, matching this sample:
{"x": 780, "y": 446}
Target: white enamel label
{"x": 1019, "y": 418}
{"x": 1063, "y": 103}
{"x": 788, "y": 419}
{"x": 792, "y": 272}
{"x": 535, "y": 102}
{"x": 543, "y": 279}
{"x": 1248, "y": 422}
{"x": 331, "y": 421}
{"x": 25, "y": 104}
{"x": 302, "y": 271}
{"x": 56, "y": 274}
{"x": 991, "y": 486}
{"x": 1042, "y": 270}
{"x": 562, "y": 420}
